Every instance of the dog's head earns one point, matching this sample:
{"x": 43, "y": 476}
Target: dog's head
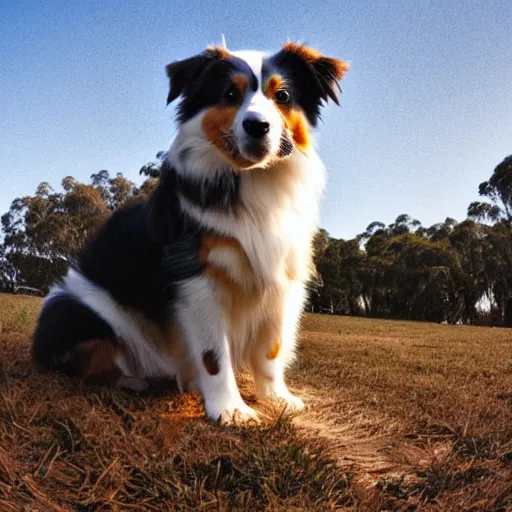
{"x": 244, "y": 110}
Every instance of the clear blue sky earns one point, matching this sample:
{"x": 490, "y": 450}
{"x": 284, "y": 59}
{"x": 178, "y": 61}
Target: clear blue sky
{"x": 426, "y": 110}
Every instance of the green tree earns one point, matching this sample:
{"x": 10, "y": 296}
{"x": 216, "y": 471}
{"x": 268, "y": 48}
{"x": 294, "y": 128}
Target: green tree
{"x": 499, "y": 190}
{"x": 44, "y": 232}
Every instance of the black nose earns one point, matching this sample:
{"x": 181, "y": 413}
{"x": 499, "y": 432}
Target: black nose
{"x": 256, "y": 128}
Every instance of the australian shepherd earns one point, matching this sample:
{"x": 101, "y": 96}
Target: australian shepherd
{"x": 209, "y": 275}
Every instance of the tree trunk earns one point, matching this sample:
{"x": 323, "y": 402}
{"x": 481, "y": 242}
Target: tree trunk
{"x": 366, "y": 305}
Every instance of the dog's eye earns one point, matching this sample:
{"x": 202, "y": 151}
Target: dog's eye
{"x": 282, "y": 96}
{"x": 232, "y": 95}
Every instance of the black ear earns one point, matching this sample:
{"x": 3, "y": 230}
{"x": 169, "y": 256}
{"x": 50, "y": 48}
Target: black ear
{"x": 315, "y": 77}
{"x": 328, "y": 72}
{"x": 325, "y": 71}
{"x": 183, "y": 73}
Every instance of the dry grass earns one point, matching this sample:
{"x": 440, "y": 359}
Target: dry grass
{"x": 435, "y": 402}
{"x": 402, "y": 416}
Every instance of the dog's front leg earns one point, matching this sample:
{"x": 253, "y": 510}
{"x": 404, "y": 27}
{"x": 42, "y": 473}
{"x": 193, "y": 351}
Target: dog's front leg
{"x": 200, "y": 317}
{"x": 275, "y": 347}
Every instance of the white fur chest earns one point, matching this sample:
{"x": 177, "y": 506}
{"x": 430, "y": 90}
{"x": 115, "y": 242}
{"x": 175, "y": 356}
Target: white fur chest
{"x": 270, "y": 233}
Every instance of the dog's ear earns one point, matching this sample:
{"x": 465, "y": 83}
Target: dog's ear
{"x": 185, "y": 73}
{"x": 315, "y": 76}
{"x": 325, "y": 71}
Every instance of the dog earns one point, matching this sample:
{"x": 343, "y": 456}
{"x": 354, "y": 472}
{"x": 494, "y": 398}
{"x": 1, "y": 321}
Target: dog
{"x": 209, "y": 275}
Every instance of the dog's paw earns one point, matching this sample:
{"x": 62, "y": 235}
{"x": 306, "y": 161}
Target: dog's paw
{"x": 293, "y": 403}
{"x": 290, "y": 402}
{"x": 239, "y": 416}
{"x": 236, "y": 414}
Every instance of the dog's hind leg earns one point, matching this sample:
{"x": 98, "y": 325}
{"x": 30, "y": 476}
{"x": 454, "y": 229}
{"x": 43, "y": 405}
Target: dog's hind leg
{"x": 94, "y": 362}
{"x": 73, "y": 339}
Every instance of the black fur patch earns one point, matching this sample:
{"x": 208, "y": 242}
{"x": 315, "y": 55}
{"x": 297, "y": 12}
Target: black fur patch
{"x": 63, "y": 323}
{"x": 142, "y": 251}
{"x": 139, "y": 255}
{"x": 220, "y": 193}
{"x": 180, "y": 258}
{"x": 122, "y": 259}
{"x": 203, "y": 80}
{"x": 139, "y": 272}
{"x": 167, "y": 222}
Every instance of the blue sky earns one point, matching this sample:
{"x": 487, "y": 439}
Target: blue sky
{"x": 426, "y": 110}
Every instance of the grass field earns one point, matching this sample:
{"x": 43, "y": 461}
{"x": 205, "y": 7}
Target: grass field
{"x": 401, "y": 416}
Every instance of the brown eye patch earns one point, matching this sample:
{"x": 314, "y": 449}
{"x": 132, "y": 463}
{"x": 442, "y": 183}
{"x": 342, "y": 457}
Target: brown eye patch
{"x": 312, "y": 77}
{"x": 241, "y": 82}
{"x": 272, "y": 85}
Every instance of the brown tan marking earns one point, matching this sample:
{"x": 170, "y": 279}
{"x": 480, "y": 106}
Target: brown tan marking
{"x": 298, "y": 125}
{"x": 96, "y": 360}
{"x": 273, "y": 84}
{"x": 211, "y": 241}
{"x": 211, "y": 362}
{"x": 294, "y": 119}
{"x": 220, "y": 275}
{"x": 274, "y": 350}
{"x": 306, "y": 52}
{"x": 241, "y": 82}
{"x": 218, "y": 51}
{"x": 218, "y": 127}
{"x": 291, "y": 274}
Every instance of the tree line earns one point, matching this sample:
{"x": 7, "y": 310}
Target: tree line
{"x": 42, "y": 233}
{"x": 453, "y": 272}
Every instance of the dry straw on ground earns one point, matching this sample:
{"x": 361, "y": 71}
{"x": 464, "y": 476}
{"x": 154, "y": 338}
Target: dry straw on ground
{"x": 401, "y": 416}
